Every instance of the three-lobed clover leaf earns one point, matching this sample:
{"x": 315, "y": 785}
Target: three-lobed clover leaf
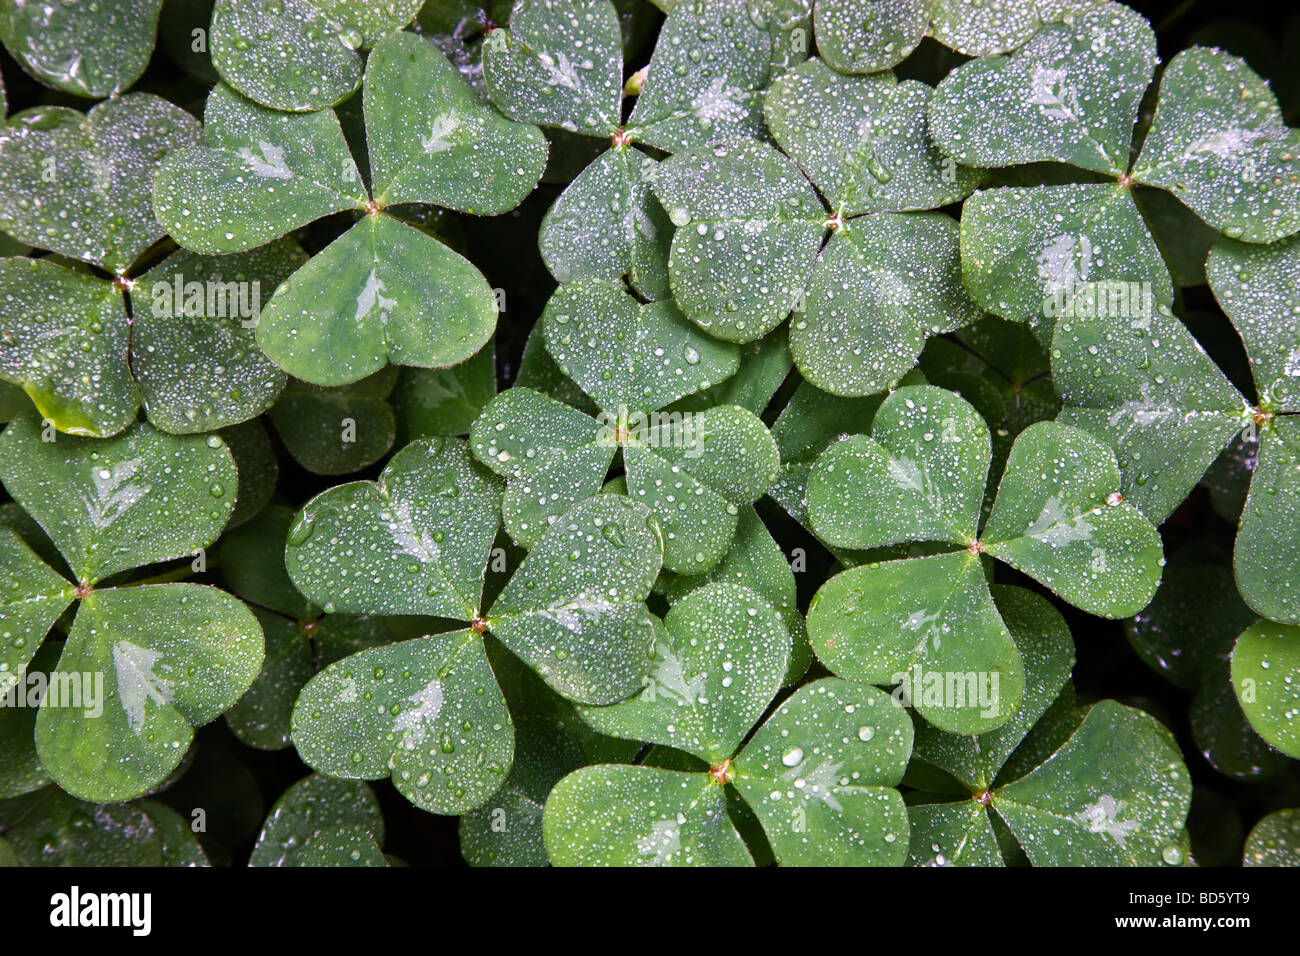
{"x": 560, "y": 64}
{"x": 187, "y": 351}
{"x": 1105, "y": 787}
{"x": 836, "y": 232}
{"x": 165, "y": 657}
{"x": 819, "y": 773}
{"x": 1146, "y": 386}
{"x": 429, "y": 711}
{"x": 920, "y": 477}
{"x": 694, "y": 470}
{"x": 383, "y": 290}
{"x": 1071, "y": 95}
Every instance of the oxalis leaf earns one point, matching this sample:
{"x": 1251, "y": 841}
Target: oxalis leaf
{"x": 63, "y": 45}
{"x": 694, "y": 470}
{"x": 1265, "y": 675}
{"x": 560, "y": 65}
{"x": 572, "y": 612}
{"x": 312, "y": 805}
{"x": 391, "y": 292}
{"x": 1113, "y": 792}
{"x": 1255, "y": 285}
{"x": 1058, "y": 517}
{"x": 79, "y": 182}
{"x": 1146, "y": 387}
{"x": 260, "y": 47}
{"x": 155, "y": 660}
{"x": 750, "y": 226}
{"x": 861, "y": 36}
{"x": 818, "y": 773}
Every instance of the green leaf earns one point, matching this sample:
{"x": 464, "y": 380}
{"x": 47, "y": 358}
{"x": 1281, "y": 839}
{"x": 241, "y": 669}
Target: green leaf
{"x": 337, "y": 431}
{"x": 443, "y": 402}
{"x": 764, "y": 367}
{"x": 1257, "y": 286}
{"x": 1143, "y": 385}
{"x": 341, "y": 846}
{"x": 1266, "y": 557}
{"x": 174, "y": 657}
{"x": 920, "y": 620}
{"x": 1266, "y": 677}
{"x": 559, "y": 64}
{"x": 552, "y": 456}
{"x": 428, "y": 712}
{"x": 1032, "y": 254}
{"x": 257, "y": 465}
{"x": 1116, "y": 794}
{"x": 859, "y": 36}
{"x": 507, "y": 830}
{"x": 996, "y": 26}
{"x": 65, "y": 344}
{"x": 193, "y": 347}
{"x": 79, "y": 183}
{"x": 1043, "y": 639}
{"x": 64, "y": 45}
{"x": 180, "y": 846}
{"x": 719, "y": 659}
{"x": 627, "y": 355}
{"x": 882, "y": 286}
{"x": 613, "y": 815}
{"x": 262, "y": 717}
{"x": 413, "y": 542}
{"x": 755, "y": 561}
{"x": 259, "y": 46}
{"x": 958, "y": 833}
{"x": 1070, "y": 94}
{"x": 811, "y": 421}
{"x": 1218, "y": 142}
{"x": 710, "y": 63}
{"x": 1274, "y": 841}
{"x": 573, "y": 610}
{"x": 383, "y": 291}
{"x": 462, "y": 154}
{"x": 863, "y": 140}
{"x": 1223, "y": 734}
{"x": 258, "y": 174}
{"x": 308, "y": 806}
{"x": 748, "y": 229}
{"x": 20, "y": 769}
{"x": 919, "y": 477}
{"x": 1059, "y": 518}
{"x": 607, "y": 224}
{"x": 820, "y": 772}
{"x": 695, "y": 473}
{"x": 34, "y": 598}
{"x": 124, "y": 502}
{"x": 51, "y": 828}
